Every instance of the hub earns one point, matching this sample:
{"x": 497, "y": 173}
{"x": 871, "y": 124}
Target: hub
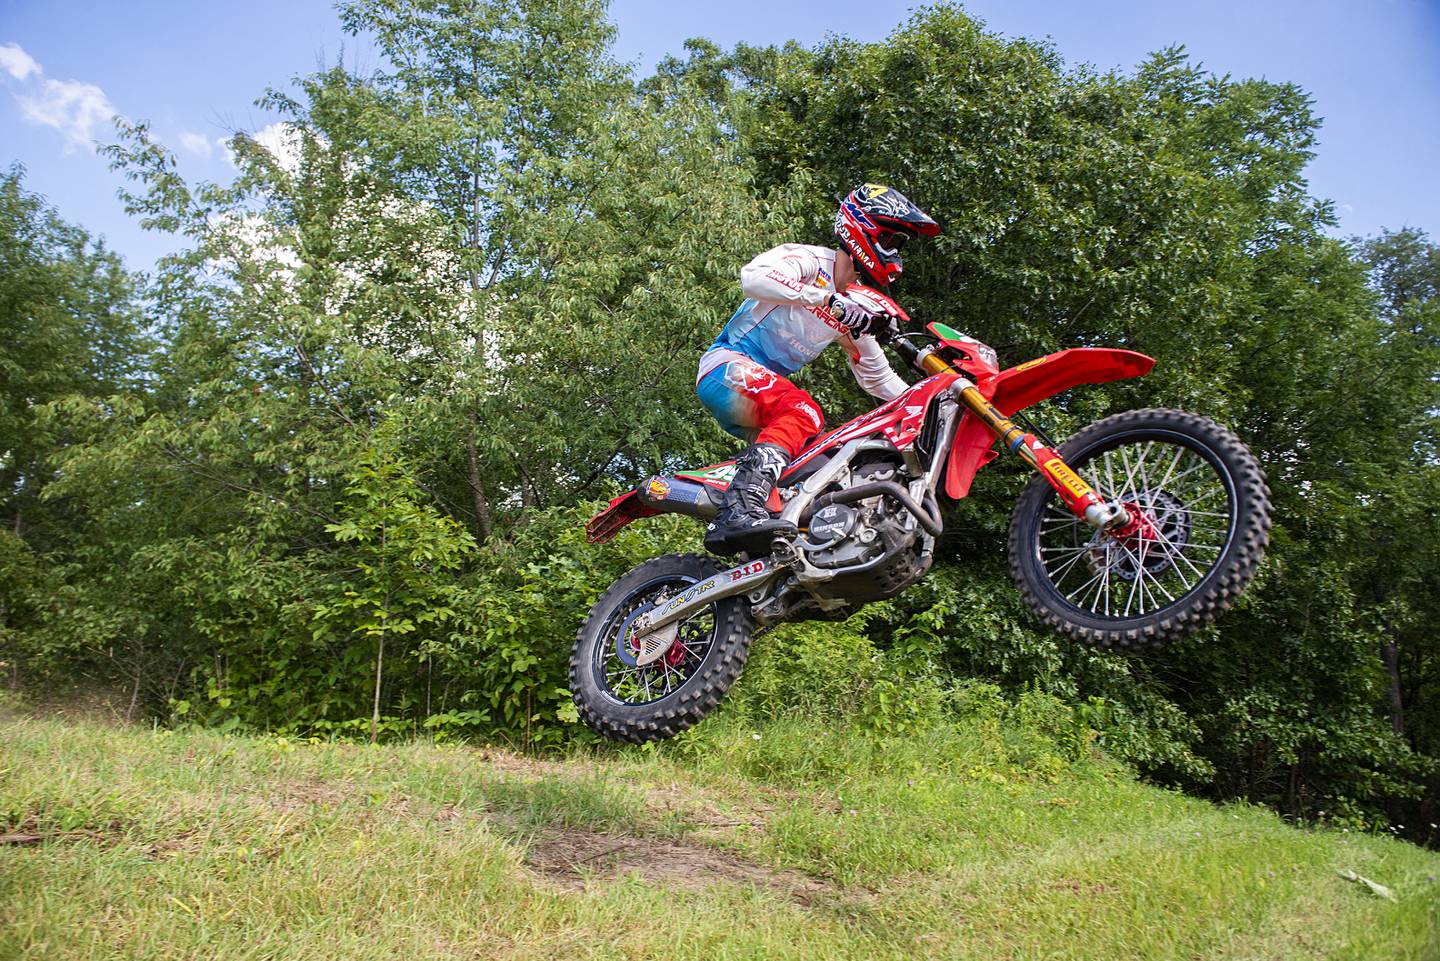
{"x": 1155, "y": 532}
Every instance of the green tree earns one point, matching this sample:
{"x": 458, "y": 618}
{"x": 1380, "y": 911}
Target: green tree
{"x": 1167, "y": 211}
{"x": 71, "y": 330}
{"x": 328, "y": 298}
{"x": 407, "y": 553}
{"x": 69, "y": 325}
{"x": 467, "y": 296}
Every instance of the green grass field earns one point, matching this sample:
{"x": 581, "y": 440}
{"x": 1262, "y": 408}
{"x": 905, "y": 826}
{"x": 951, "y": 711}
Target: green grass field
{"x": 966, "y": 842}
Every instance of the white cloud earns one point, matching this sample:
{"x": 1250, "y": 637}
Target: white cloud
{"x": 283, "y": 142}
{"x": 72, "y": 107}
{"x": 225, "y": 151}
{"x": 17, "y": 62}
{"x": 196, "y": 143}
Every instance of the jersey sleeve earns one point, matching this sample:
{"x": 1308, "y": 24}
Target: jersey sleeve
{"x": 784, "y": 275}
{"x": 872, "y": 369}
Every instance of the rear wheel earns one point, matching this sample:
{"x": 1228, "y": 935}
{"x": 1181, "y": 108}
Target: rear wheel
{"x": 1200, "y": 522}
{"x": 629, "y": 701}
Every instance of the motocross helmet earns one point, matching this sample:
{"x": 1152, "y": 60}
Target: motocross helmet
{"x": 873, "y": 223}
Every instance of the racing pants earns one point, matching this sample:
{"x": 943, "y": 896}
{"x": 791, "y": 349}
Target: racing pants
{"x": 756, "y": 404}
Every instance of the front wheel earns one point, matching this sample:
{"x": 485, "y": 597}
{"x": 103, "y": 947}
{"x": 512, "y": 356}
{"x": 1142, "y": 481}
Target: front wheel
{"x": 629, "y": 701}
{"x": 1200, "y": 522}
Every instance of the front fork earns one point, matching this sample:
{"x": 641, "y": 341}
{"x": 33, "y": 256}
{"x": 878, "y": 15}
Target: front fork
{"x": 1080, "y": 497}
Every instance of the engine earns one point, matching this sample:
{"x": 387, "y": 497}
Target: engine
{"x": 873, "y": 544}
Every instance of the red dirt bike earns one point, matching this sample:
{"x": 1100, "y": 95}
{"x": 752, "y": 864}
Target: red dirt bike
{"x": 1139, "y": 529}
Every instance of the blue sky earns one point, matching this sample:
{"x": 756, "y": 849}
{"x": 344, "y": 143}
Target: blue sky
{"x": 194, "y": 69}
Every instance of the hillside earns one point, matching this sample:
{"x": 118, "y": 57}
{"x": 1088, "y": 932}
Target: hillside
{"x": 970, "y": 841}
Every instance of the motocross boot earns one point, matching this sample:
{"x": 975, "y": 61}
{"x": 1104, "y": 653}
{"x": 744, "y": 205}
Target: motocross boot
{"x": 744, "y": 523}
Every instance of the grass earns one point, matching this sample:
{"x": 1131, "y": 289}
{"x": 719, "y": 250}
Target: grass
{"x": 962, "y": 842}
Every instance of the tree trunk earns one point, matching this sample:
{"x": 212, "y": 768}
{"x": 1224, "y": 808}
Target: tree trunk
{"x": 375, "y": 709}
{"x": 134, "y": 693}
{"x": 472, "y": 458}
{"x": 1390, "y": 655}
{"x": 477, "y": 486}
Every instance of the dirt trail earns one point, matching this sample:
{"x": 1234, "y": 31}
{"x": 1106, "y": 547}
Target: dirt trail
{"x": 570, "y": 858}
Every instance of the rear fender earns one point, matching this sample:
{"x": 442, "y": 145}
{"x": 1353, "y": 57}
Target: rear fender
{"x": 1031, "y": 382}
{"x": 613, "y": 519}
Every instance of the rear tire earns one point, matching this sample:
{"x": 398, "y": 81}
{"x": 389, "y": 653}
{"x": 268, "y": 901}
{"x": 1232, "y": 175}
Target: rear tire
{"x": 637, "y": 704}
{"x": 1210, "y": 542}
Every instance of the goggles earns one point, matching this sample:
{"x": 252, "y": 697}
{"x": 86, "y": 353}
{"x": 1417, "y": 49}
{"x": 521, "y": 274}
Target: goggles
{"x": 891, "y": 241}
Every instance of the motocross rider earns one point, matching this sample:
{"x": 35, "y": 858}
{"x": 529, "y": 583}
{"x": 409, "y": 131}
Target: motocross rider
{"x": 795, "y": 307}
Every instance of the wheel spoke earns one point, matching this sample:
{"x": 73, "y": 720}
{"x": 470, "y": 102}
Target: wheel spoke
{"x": 1055, "y": 576}
{"x": 1084, "y": 587}
{"x": 1133, "y": 585}
{"x": 1184, "y": 499}
{"x": 637, "y": 684}
{"x": 1180, "y": 453}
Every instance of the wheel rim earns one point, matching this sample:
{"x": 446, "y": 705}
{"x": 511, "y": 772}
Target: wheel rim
{"x": 1183, "y": 515}
{"x": 629, "y": 684}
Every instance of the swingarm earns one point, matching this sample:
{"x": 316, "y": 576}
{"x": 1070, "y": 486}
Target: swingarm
{"x": 648, "y": 637}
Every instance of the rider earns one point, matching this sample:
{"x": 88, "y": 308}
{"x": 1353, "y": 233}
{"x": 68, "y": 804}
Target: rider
{"x": 795, "y": 307}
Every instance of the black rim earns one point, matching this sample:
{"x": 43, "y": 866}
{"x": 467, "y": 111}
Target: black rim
{"x": 629, "y": 684}
{"x": 1186, "y": 495}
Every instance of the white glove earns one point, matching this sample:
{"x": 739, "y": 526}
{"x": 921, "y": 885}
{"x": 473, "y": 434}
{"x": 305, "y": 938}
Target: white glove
{"x": 857, "y": 318}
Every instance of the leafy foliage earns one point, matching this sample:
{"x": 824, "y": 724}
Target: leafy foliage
{"x": 406, "y": 354}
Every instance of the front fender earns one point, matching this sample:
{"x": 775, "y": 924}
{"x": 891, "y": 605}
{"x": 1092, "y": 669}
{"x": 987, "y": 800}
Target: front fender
{"x": 1029, "y": 383}
{"x": 1033, "y": 381}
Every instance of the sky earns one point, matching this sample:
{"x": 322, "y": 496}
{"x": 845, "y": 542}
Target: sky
{"x": 194, "y": 69}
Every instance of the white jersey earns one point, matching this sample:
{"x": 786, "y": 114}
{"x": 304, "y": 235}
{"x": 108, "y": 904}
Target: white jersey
{"x": 785, "y": 321}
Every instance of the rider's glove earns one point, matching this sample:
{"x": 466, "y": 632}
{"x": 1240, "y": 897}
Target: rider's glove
{"x": 856, "y": 318}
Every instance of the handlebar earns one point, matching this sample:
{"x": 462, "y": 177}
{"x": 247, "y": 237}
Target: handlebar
{"x": 904, "y": 348}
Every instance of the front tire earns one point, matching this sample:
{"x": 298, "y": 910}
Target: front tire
{"x": 627, "y": 702}
{"x": 1205, "y": 524}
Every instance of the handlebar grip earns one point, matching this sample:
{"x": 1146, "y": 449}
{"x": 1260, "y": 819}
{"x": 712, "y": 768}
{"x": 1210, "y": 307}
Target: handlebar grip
{"x": 906, "y": 350}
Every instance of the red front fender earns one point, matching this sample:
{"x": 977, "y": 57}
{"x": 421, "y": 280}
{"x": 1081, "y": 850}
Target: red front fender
{"x": 1031, "y": 382}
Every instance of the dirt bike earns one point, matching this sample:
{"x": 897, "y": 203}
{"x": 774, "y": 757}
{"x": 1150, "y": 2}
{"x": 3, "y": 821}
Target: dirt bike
{"x": 1138, "y": 529}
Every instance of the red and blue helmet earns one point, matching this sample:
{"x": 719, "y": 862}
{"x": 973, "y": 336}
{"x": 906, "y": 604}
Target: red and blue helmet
{"x": 873, "y": 223}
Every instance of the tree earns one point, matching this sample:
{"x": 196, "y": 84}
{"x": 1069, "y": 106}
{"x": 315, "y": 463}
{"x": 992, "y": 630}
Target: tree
{"x": 405, "y": 352}
{"x": 71, "y": 331}
{"x": 1165, "y": 211}
{"x": 329, "y": 299}
{"x": 69, "y": 325}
